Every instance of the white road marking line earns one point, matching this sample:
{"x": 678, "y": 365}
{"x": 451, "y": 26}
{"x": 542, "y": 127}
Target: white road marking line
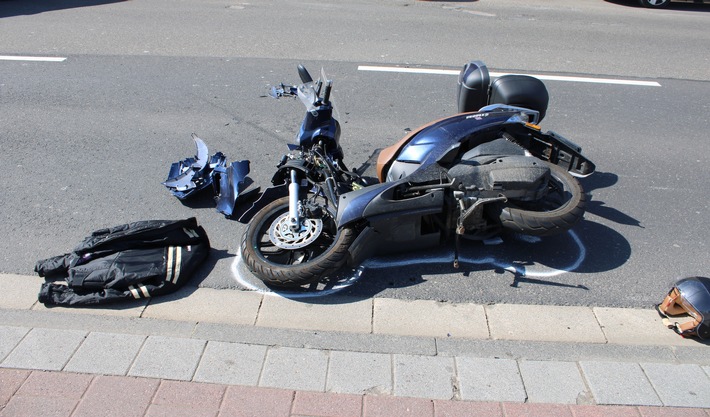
{"x": 499, "y": 74}
{"x": 408, "y": 70}
{"x": 32, "y": 58}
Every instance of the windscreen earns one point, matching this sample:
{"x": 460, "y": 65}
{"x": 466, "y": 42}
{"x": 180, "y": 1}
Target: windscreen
{"x": 307, "y": 94}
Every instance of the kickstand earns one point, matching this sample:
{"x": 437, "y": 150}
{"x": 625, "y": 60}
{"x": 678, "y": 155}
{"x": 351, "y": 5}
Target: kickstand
{"x": 456, "y": 251}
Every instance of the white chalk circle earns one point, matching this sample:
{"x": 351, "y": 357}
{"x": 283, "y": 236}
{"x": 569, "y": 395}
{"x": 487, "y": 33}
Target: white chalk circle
{"x": 344, "y": 280}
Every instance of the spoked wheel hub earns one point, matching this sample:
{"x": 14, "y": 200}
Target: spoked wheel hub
{"x": 281, "y": 234}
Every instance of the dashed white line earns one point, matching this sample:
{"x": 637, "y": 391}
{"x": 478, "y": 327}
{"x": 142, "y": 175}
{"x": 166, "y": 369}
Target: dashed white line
{"x": 499, "y": 74}
{"x": 32, "y": 58}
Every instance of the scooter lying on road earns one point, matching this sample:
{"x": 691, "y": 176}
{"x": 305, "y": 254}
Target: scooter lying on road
{"x": 473, "y": 175}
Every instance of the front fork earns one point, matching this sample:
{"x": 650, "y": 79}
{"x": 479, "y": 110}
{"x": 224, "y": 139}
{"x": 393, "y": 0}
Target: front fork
{"x": 294, "y": 220}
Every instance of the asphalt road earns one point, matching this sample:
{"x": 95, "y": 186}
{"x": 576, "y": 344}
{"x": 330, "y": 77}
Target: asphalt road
{"x": 88, "y": 140}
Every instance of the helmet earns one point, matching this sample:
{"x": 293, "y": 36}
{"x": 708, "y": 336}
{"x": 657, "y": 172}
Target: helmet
{"x": 689, "y": 296}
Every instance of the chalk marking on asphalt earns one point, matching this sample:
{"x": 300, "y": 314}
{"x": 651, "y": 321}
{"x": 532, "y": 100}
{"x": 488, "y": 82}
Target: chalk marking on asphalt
{"x": 516, "y": 269}
{"x": 32, "y": 58}
{"x": 287, "y": 294}
{"x": 500, "y": 74}
{"x": 519, "y": 270}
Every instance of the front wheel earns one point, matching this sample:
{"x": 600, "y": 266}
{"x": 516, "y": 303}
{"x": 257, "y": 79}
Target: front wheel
{"x": 285, "y": 258}
{"x": 556, "y": 212}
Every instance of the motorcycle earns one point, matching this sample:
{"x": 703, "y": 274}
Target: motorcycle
{"x": 486, "y": 170}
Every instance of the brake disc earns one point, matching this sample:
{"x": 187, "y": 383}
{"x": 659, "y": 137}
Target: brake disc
{"x": 281, "y": 234}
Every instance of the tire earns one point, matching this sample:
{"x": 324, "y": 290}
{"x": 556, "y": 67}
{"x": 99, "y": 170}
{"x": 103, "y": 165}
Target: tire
{"x": 655, "y": 4}
{"x": 290, "y": 268}
{"x": 556, "y": 213}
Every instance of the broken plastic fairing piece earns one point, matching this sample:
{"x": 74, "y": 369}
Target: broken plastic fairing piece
{"x": 231, "y": 184}
{"x": 190, "y": 175}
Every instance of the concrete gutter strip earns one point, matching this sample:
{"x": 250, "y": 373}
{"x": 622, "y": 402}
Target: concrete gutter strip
{"x": 369, "y": 325}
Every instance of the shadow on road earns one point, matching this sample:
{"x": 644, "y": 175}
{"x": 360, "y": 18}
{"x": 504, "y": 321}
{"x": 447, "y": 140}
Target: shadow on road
{"x": 10, "y": 8}
{"x": 592, "y": 248}
{"x": 599, "y": 208}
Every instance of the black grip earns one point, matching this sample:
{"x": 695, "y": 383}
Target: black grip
{"x": 326, "y": 96}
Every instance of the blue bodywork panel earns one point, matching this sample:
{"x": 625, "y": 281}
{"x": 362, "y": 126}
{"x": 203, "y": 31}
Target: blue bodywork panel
{"x": 193, "y": 174}
{"x": 231, "y": 184}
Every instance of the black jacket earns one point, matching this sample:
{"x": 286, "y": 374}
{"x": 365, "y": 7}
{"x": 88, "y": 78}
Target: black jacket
{"x": 131, "y": 261}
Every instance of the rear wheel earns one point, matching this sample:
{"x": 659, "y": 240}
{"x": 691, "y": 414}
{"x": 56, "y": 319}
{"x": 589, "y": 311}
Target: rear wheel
{"x": 283, "y": 258}
{"x": 556, "y": 212}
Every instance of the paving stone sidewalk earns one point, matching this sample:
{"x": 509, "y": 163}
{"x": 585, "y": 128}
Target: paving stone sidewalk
{"x": 378, "y": 353}
{"x": 45, "y": 393}
{"x": 617, "y": 379}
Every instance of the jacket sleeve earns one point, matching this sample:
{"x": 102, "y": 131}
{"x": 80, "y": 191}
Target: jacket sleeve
{"x": 56, "y": 266}
{"x": 61, "y": 295}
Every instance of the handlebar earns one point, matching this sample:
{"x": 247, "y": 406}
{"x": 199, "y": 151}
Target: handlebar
{"x": 326, "y": 94}
{"x": 283, "y": 90}
{"x": 292, "y": 90}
